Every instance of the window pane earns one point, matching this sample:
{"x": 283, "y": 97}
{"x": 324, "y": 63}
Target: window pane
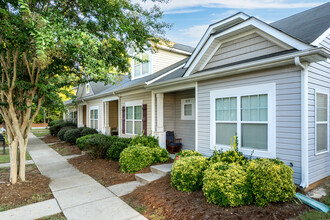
{"x": 145, "y": 68}
{"x": 225, "y": 131}
{"x": 137, "y": 70}
{"x": 129, "y": 127}
{"x": 322, "y": 139}
{"x": 245, "y": 108}
{"x": 138, "y": 112}
{"x": 226, "y": 109}
{"x": 96, "y": 122}
{"x": 321, "y": 108}
{"x": 96, "y": 114}
{"x": 254, "y": 108}
{"x": 129, "y": 112}
{"x": 187, "y": 108}
{"x": 137, "y": 127}
{"x": 254, "y": 136}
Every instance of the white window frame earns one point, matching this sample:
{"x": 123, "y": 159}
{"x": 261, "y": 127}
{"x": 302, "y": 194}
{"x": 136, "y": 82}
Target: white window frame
{"x": 133, "y": 104}
{"x": 238, "y": 92}
{"x": 98, "y": 117}
{"x": 89, "y": 88}
{"x": 323, "y": 92}
{"x": 184, "y": 102}
{"x": 150, "y": 66}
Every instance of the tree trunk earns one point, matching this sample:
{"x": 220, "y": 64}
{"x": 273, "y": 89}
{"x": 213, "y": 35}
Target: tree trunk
{"x": 22, "y": 155}
{"x": 13, "y": 161}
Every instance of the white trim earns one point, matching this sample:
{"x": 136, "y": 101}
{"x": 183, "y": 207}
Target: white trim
{"x": 179, "y": 87}
{"x": 318, "y": 40}
{"x": 153, "y": 113}
{"x": 192, "y": 103}
{"x": 211, "y": 29}
{"x": 165, "y": 74}
{"x": 133, "y": 103}
{"x": 170, "y": 49}
{"x": 113, "y": 98}
{"x": 210, "y": 56}
{"x": 256, "y": 24}
{"x": 270, "y": 90}
{"x": 323, "y": 92}
{"x": 98, "y": 117}
{"x": 149, "y": 62}
{"x": 196, "y": 117}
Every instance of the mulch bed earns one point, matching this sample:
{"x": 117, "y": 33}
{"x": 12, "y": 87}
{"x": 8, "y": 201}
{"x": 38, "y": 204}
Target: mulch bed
{"x": 50, "y": 139}
{"x": 66, "y": 149}
{"x": 104, "y": 171}
{"x": 34, "y": 189}
{"x": 158, "y": 200}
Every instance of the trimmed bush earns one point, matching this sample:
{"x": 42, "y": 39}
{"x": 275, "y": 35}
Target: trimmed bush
{"x": 87, "y": 131}
{"x": 188, "y": 153}
{"x": 113, "y": 153}
{"x": 98, "y": 144}
{"x": 271, "y": 181}
{"x": 52, "y": 123}
{"x": 82, "y": 141}
{"x": 187, "y": 173}
{"x": 229, "y": 156}
{"x": 135, "y": 158}
{"x": 147, "y": 141}
{"x": 226, "y": 185}
{"x": 71, "y": 136}
{"x": 125, "y": 140}
{"x": 61, "y": 133}
{"x": 160, "y": 155}
{"x": 57, "y": 127}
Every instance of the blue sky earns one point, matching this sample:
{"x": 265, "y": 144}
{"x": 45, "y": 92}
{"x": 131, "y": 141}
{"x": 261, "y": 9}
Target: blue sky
{"x": 190, "y": 18}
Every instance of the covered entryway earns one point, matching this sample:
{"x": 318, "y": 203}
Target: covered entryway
{"x": 111, "y": 115}
{"x": 82, "y": 116}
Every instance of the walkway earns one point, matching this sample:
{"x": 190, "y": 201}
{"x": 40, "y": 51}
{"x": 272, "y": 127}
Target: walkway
{"x": 78, "y": 195}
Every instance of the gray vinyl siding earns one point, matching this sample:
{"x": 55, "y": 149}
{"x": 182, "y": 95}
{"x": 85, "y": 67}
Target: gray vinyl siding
{"x": 184, "y": 129}
{"x": 319, "y": 79}
{"x": 146, "y": 99}
{"x": 288, "y": 110}
{"x": 246, "y": 47}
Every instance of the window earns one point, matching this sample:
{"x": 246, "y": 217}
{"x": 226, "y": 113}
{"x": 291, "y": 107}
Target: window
{"x": 141, "y": 69}
{"x": 87, "y": 88}
{"x": 94, "y": 117}
{"x": 73, "y": 116}
{"x": 188, "y": 109}
{"x": 249, "y": 112}
{"x": 321, "y": 123}
{"x": 133, "y": 118}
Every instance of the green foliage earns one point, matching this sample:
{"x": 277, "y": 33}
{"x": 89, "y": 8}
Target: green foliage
{"x": 188, "y": 153}
{"x": 187, "y": 173}
{"x": 113, "y": 153}
{"x": 271, "y": 181}
{"x": 57, "y": 127}
{"x": 313, "y": 215}
{"x": 52, "y": 123}
{"x": 226, "y": 185}
{"x": 61, "y": 133}
{"x": 71, "y": 135}
{"x": 98, "y": 144}
{"x": 87, "y": 131}
{"x": 160, "y": 155}
{"x": 82, "y": 142}
{"x": 135, "y": 158}
{"x": 125, "y": 140}
{"x": 147, "y": 141}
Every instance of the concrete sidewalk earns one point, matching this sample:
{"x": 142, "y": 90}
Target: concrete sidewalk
{"x": 78, "y": 195}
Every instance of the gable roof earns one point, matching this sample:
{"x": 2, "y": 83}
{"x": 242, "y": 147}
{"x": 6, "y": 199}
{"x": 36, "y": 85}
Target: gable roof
{"x": 308, "y": 25}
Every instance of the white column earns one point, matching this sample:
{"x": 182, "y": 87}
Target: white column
{"x": 160, "y": 120}
{"x": 153, "y": 113}
{"x": 106, "y": 118}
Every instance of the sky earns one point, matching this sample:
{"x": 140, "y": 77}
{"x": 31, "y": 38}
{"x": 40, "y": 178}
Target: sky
{"x": 190, "y": 18}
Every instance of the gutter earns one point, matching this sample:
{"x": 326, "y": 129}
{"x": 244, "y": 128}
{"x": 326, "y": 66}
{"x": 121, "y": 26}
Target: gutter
{"x": 304, "y": 121}
{"x": 173, "y": 50}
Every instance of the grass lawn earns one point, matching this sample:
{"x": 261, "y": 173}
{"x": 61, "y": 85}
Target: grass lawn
{"x": 59, "y": 216}
{"x": 40, "y": 132}
{"x": 5, "y": 158}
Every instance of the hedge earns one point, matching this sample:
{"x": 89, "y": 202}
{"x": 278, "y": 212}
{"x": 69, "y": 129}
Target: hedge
{"x": 135, "y": 158}
{"x": 71, "y": 136}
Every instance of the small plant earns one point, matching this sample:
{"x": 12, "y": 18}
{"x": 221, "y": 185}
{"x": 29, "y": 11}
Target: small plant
{"x": 135, "y": 158}
{"x": 71, "y": 135}
{"x": 160, "y": 155}
{"x": 147, "y": 141}
{"x": 188, "y": 153}
{"x": 187, "y": 173}
{"x": 52, "y": 123}
{"x": 98, "y": 144}
{"x": 57, "y": 127}
{"x": 226, "y": 185}
{"x": 87, "y": 131}
{"x": 62, "y": 132}
{"x": 82, "y": 142}
{"x": 113, "y": 153}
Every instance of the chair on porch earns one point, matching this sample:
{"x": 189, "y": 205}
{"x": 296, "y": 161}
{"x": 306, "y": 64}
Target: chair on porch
{"x": 173, "y": 145}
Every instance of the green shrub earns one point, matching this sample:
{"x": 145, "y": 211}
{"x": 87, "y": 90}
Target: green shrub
{"x": 87, "y": 131}
{"x": 52, "y": 123}
{"x": 135, "y": 158}
{"x": 226, "y": 185}
{"x": 188, "y": 153}
{"x": 125, "y": 140}
{"x": 187, "y": 173}
{"x": 271, "y": 181}
{"x": 98, "y": 144}
{"x": 71, "y": 136}
{"x": 113, "y": 153}
{"x": 160, "y": 155}
{"x": 82, "y": 141}
{"x": 61, "y": 133}
{"x": 57, "y": 127}
{"x": 147, "y": 141}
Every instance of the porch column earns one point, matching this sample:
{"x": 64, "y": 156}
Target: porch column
{"x": 106, "y": 118}
{"x": 160, "y": 120}
{"x": 80, "y": 116}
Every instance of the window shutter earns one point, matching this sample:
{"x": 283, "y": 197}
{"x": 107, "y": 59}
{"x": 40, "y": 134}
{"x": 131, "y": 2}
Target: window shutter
{"x": 123, "y": 120}
{"x": 144, "y": 119}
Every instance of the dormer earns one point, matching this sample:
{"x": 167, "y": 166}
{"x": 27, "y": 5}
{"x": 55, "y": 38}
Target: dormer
{"x": 141, "y": 69}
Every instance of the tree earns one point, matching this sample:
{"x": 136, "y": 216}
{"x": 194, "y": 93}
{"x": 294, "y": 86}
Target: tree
{"x": 48, "y": 45}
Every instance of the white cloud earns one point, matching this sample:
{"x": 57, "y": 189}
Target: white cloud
{"x": 193, "y": 34}
{"x": 238, "y": 4}
{"x": 183, "y": 11}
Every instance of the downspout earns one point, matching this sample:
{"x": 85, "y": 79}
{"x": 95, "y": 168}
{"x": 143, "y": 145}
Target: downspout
{"x": 304, "y": 122}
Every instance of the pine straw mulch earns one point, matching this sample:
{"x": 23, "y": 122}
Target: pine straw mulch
{"x": 34, "y": 189}
{"x": 158, "y": 200}
{"x": 50, "y": 139}
{"x": 106, "y": 172}
{"x": 66, "y": 149}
